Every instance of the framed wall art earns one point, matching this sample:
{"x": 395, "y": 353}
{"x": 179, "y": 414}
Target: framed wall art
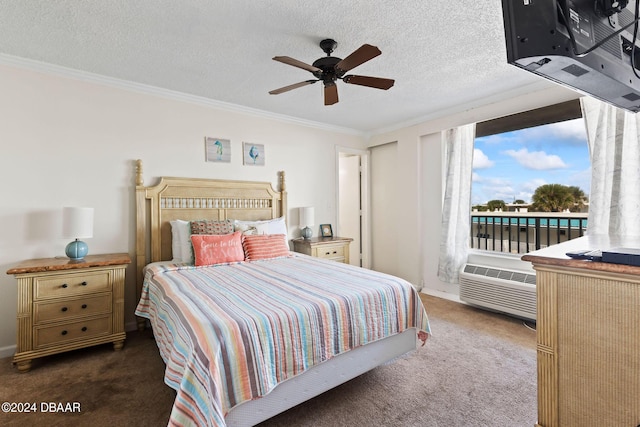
{"x": 253, "y": 154}
{"x": 217, "y": 150}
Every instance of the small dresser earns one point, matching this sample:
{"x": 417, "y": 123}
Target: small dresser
{"x": 65, "y": 305}
{"x": 333, "y": 248}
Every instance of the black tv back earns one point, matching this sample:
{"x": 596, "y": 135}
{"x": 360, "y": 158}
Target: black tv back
{"x": 538, "y": 41}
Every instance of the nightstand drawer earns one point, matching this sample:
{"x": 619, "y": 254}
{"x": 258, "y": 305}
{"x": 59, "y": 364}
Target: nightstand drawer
{"x": 331, "y": 252}
{"x": 70, "y": 308}
{"x": 80, "y": 330}
{"x": 333, "y": 248}
{"x": 71, "y": 284}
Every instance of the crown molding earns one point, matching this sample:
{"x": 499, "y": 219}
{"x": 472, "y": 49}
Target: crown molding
{"x": 85, "y": 76}
{"x": 540, "y": 86}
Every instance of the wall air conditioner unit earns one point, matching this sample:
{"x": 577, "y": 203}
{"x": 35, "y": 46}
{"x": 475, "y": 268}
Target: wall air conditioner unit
{"x": 506, "y": 291}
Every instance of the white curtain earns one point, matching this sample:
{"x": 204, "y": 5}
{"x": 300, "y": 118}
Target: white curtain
{"x": 613, "y": 135}
{"x": 458, "y": 165}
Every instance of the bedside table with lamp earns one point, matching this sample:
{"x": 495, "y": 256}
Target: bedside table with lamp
{"x": 69, "y": 303}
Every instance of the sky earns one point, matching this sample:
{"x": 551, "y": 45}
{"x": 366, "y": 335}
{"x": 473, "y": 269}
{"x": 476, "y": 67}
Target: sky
{"x": 511, "y": 165}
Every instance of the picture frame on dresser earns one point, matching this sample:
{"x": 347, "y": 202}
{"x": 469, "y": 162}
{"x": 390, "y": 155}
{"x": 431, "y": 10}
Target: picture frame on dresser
{"x": 326, "y": 230}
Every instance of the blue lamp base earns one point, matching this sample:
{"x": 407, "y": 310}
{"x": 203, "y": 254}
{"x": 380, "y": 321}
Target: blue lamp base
{"x": 76, "y": 250}
{"x": 307, "y": 233}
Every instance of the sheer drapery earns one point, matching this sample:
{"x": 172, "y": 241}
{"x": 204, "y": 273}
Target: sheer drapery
{"x": 458, "y": 165}
{"x": 613, "y": 136}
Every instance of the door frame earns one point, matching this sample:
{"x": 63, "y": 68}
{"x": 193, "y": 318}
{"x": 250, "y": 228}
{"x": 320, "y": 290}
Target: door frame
{"x": 365, "y": 207}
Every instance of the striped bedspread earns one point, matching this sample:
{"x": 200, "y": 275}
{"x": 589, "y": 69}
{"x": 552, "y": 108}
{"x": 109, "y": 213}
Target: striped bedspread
{"x": 231, "y": 333}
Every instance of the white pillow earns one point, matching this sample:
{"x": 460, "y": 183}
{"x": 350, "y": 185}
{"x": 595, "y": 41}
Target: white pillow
{"x": 181, "y": 248}
{"x": 269, "y": 226}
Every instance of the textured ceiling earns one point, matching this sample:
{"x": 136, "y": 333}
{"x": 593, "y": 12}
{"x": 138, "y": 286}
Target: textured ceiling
{"x": 445, "y": 56}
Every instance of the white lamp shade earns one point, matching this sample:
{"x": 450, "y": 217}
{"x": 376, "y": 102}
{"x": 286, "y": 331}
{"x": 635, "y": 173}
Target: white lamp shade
{"x": 306, "y": 217}
{"x": 77, "y": 223}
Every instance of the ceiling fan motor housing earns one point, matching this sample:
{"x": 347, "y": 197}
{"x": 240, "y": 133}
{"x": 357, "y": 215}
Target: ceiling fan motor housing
{"x": 329, "y": 72}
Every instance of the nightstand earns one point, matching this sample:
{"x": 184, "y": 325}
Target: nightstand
{"x": 65, "y": 305}
{"x": 333, "y": 248}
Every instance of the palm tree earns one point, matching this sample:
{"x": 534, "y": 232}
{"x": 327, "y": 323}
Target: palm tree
{"x": 492, "y": 205}
{"x": 579, "y": 198}
{"x": 552, "y": 198}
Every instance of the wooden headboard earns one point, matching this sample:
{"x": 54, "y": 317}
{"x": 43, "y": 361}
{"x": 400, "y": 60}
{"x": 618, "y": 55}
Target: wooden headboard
{"x": 196, "y": 198}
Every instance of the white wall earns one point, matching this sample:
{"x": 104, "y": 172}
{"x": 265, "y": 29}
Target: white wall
{"x": 420, "y": 186}
{"x": 67, "y": 142}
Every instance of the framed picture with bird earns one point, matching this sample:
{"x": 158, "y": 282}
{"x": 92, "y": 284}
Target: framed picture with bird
{"x": 253, "y": 154}
{"x": 217, "y": 150}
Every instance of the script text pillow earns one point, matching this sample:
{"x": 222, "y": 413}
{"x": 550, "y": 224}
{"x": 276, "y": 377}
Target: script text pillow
{"x": 211, "y": 249}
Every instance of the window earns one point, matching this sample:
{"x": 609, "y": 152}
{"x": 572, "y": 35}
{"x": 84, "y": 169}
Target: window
{"x": 518, "y": 155}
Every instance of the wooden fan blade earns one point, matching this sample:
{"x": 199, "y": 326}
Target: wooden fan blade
{"x": 359, "y": 56}
{"x": 290, "y": 61}
{"x": 291, "y": 87}
{"x": 375, "y": 82}
{"x": 330, "y": 93}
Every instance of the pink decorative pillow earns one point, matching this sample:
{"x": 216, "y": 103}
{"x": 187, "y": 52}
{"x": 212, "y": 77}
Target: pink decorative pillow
{"x": 213, "y": 249}
{"x": 264, "y": 246}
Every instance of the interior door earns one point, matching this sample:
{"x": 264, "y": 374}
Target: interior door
{"x": 349, "y": 202}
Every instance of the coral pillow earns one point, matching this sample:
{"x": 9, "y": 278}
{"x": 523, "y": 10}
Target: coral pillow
{"x": 265, "y": 246}
{"x": 213, "y": 249}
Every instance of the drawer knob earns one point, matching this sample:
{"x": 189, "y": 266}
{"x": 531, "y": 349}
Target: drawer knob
{"x": 64, "y": 309}
{"x": 327, "y": 253}
{"x": 64, "y": 285}
{"x": 84, "y": 283}
{"x": 84, "y": 329}
{"x": 84, "y": 305}
{"x": 64, "y": 332}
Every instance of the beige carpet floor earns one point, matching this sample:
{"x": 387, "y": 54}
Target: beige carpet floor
{"x": 478, "y": 369}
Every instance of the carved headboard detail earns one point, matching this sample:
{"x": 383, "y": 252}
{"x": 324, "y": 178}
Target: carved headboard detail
{"x": 196, "y": 198}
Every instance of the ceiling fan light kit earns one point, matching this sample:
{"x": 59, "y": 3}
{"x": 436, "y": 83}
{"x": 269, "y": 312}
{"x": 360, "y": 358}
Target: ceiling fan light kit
{"x": 330, "y": 69}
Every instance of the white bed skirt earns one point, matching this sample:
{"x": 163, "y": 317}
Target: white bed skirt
{"x": 321, "y": 378}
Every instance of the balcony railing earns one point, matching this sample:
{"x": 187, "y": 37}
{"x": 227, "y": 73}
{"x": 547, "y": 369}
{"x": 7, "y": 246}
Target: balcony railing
{"x": 522, "y": 232}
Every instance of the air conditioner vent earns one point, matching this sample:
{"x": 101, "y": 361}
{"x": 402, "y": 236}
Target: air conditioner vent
{"x": 507, "y": 291}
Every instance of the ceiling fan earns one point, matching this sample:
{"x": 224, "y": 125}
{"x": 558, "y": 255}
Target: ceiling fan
{"x": 329, "y": 69}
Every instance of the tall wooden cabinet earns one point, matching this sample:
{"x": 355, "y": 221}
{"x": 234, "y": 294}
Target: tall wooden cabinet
{"x": 588, "y": 337}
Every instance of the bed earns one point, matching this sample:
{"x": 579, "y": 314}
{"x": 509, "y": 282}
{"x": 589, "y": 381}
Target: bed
{"x": 243, "y": 341}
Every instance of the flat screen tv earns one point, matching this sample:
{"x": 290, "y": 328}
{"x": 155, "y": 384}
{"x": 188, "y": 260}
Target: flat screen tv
{"x": 587, "y": 45}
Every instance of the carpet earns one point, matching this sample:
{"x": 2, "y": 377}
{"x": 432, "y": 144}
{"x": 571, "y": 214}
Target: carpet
{"x": 478, "y": 369}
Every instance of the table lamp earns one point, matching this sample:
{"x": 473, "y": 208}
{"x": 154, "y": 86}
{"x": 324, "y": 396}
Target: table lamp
{"x": 306, "y": 220}
{"x": 77, "y": 223}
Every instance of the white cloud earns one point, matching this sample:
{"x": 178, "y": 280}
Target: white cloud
{"x": 581, "y": 179}
{"x": 480, "y": 160}
{"x": 571, "y": 129}
{"x": 537, "y": 160}
{"x": 570, "y": 132}
{"x": 530, "y": 186}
